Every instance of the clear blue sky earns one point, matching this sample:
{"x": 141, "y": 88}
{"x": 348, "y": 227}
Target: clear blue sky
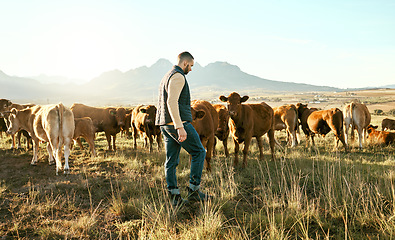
{"x": 340, "y": 43}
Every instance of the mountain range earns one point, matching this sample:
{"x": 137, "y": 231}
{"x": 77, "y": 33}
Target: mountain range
{"x": 140, "y": 85}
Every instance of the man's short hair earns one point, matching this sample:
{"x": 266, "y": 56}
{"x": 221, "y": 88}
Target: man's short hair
{"x": 185, "y": 56}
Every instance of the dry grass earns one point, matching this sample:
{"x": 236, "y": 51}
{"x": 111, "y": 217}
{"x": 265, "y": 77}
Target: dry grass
{"x": 306, "y": 194}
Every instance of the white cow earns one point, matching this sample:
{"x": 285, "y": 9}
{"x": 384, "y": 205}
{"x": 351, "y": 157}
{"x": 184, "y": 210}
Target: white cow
{"x": 357, "y": 116}
{"x": 53, "y": 124}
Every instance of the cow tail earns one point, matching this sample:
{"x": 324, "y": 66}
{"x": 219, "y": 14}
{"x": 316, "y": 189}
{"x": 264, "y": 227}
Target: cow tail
{"x": 60, "y": 108}
{"x": 352, "y": 106}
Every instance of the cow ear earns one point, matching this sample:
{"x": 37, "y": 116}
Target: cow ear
{"x": 143, "y": 110}
{"x": 245, "y": 98}
{"x": 223, "y": 98}
{"x": 200, "y": 114}
{"x": 375, "y": 127}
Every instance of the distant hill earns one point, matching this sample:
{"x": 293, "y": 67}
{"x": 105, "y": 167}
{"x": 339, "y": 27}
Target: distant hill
{"x": 140, "y": 85}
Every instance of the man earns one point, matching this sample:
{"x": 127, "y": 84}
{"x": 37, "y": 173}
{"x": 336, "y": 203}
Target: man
{"x": 174, "y": 118}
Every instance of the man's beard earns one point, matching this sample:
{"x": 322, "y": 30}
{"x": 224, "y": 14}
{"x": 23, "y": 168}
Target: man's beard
{"x": 185, "y": 70}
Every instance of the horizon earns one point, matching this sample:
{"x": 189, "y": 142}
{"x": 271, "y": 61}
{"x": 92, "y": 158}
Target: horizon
{"x": 300, "y": 42}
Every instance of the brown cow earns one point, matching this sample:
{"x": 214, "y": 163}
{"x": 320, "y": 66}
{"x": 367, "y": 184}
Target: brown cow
{"x": 143, "y": 121}
{"x": 358, "y": 117}
{"x": 387, "y": 124}
{"x": 247, "y": 121}
{"x": 222, "y": 132}
{"x": 84, "y": 128}
{"x": 322, "y": 122}
{"x": 205, "y": 127}
{"x": 5, "y": 106}
{"x": 286, "y": 117}
{"x": 53, "y": 124}
{"x": 380, "y": 137}
{"x": 108, "y": 120}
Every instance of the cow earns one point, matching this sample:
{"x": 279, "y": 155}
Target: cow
{"x": 5, "y": 114}
{"x": 286, "y": 117}
{"x": 205, "y": 127}
{"x": 84, "y": 128}
{"x": 387, "y": 124}
{"x": 5, "y": 106}
{"x": 143, "y": 121}
{"x": 322, "y": 122}
{"x": 247, "y": 121}
{"x": 53, "y": 124}
{"x": 357, "y": 116}
{"x": 222, "y": 132}
{"x": 108, "y": 120}
{"x": 380, "y": 137}
{"x": 128, "y": 125}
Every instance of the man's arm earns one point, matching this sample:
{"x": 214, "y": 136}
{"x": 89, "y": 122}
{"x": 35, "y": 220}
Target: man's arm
{"x": 176, "y": 83}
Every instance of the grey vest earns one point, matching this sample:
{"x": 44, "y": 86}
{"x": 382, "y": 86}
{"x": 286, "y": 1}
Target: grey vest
{"x": 184, "y": 101}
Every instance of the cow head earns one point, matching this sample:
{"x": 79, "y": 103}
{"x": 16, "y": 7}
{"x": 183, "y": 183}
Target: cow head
{"x": 371, "y": 129}
{"x": 234, "y": 102}
{"x": 119, "y": 114}
{"x": 13, "y": 124}
{"x": 300, "y": 107}
{"x": 5, "y": 106}
{"x": 150, "y": 112}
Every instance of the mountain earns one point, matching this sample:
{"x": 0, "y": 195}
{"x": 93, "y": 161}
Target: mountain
{"x": 140, "y": 85}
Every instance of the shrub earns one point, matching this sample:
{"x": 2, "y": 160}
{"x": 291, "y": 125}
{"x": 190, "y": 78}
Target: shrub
{"x": 378, "y": 112}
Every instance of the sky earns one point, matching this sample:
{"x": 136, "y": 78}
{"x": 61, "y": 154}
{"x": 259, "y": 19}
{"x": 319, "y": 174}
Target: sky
{"x": 338, "y": 43}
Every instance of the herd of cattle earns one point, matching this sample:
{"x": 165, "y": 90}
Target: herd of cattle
{"x": 59, "y": 125}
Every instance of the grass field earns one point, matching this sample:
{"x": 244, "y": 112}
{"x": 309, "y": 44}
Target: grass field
{"x": 305, "y": 194}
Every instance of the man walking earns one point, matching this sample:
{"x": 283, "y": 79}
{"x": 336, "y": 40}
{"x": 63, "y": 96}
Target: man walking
{"x": 174, "y": 118}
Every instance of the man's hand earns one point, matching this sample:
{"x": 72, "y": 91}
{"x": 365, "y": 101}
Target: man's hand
{"x": 182, "y": 134}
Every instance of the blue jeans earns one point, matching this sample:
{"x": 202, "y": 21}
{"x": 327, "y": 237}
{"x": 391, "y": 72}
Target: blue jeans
{"x": 173, "y": 147}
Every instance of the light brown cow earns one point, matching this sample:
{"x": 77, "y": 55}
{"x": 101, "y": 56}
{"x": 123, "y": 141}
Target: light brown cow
{"x": 108, "y": 120}
{"x": 286, "y": 117}
{"x": 248, "y": 121}
{"x": 222, "y": 132}
{"x": 84, "y": 128}
{"x": 53, "y": 124}
{"x": 205, "y": 127}
{"x": 143, "y": 121}
{"x": 387, "y": 124}
{"x": 357, "y": 116}
{"x": 322, "y": 122}
{"x": 380, "y": 137}
{"x": 5, "y": 106}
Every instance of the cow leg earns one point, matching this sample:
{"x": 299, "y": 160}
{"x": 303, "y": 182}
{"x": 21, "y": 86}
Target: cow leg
{"x": 108, "y": 138}
{"x": 80, "y": 143}
{"x": 260, "y": 147}
{"x": 159, "y": 140}
{"x": 13, "y": 141}
{"x": 210, "y": 146}
{"x": 67, "y": 142}
{"x": 214, "y": 149}
{"x": 114, "y": 137}
{"x": 18, "y": 138}
{"x": 360, "y": 136}
{"x": 36, "y": 143}
{"x": 135, "y": 135}
{"x": 237, "y": 148}
{"x": 247, "y": 142}
{"x": 225, "y": 143}
{"x": 91, "y": 144}
{"x": 51, "y": 159}
{"x": 272, "y": 142}
{"x": 151, "y": 142}
{"x": 346, "y": 125}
